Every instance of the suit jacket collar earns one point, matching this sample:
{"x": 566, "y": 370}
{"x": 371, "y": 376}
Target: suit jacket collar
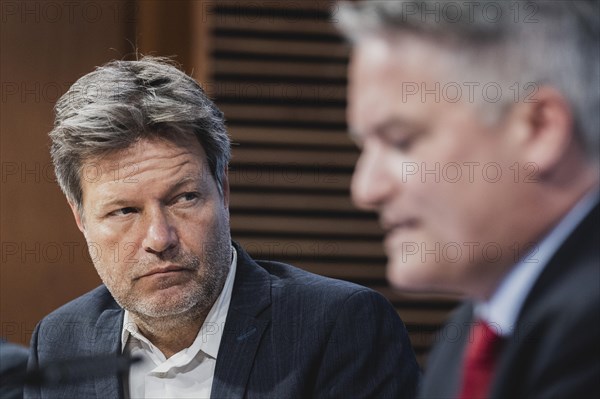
{"x": 107, "y": 339}
{"x": 247, "y": 320}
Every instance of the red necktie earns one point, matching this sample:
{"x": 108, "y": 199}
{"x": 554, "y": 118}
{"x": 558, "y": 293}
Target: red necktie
{"x": 480, "y": 358}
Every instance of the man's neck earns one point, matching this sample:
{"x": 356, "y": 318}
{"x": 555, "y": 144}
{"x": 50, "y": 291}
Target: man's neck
{"x": 540, "y": 212}
{"x": 174, "y": 333}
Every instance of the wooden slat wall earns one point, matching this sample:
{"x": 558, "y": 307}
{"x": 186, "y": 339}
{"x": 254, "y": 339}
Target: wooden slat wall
{"x": 278, "y": 71}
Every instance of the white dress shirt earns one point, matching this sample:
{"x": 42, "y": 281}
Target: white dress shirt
{"x": 188, "y": 373}
{"x": 503, "y": 308}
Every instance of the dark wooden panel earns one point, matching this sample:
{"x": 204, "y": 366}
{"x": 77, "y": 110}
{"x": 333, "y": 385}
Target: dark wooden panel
{"x": 274, "y": 69}
{"x": 281, "y": 47}
{"x": 275, "y": 24}
{"x": 292, "y": 202}
{"x": 305, "y": 225}
{"x": 295, "y": 157}
{"x": 246, "y": 91}
{"x": 315, "y": 9}
{"x": 284, "y": 113}
{"x": 293, "y": 137}
{"x": 274, "y": 177}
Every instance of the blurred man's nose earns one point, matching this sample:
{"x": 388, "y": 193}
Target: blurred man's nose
{"x": 370, "y": 182}
{"x": 161, "y": 235}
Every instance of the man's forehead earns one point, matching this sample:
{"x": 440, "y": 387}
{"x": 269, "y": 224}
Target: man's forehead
{"x": 146, "y": 161}
{"x": 147, "y": 150}
{"x": 405, "y": 51}
{"x": 382, "y": 85}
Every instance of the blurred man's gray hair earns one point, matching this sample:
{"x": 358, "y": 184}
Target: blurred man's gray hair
{"x": 122, "y": 102}
{"x": 523, "y": 43}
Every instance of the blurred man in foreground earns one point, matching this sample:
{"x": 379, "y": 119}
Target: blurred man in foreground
{"x": 478, "y": 124}
{"x": 141, "y": 154}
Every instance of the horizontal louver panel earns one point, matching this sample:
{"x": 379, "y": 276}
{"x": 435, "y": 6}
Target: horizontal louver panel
{"x": 279, "y": 74}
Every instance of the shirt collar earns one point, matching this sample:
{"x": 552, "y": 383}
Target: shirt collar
{"x": 505, "y": 304}
{"x": 208, "y": 339}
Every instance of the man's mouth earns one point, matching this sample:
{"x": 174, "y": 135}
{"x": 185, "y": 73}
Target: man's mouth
{"x": 163, "y": 270}
{"x": 395, "y": 232}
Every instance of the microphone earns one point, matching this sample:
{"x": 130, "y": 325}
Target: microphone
{"x": 71, "y": 370}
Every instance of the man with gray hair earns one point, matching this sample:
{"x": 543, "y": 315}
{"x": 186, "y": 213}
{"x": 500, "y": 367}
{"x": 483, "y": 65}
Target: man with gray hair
{"x": 479, "y": 129}
{"x": 141, "y": 154}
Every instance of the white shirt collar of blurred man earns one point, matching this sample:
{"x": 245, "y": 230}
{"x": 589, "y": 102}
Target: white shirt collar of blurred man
{"x": 188, "y": 373}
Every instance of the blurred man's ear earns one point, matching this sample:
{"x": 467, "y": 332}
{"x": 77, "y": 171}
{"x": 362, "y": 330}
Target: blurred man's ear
{"x": 78, "y": 216}
{"x": 544, "y": 129}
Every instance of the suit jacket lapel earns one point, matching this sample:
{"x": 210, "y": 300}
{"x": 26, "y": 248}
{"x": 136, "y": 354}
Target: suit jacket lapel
{"x": 106, "y": 341}
{"x": 247, "y": 320}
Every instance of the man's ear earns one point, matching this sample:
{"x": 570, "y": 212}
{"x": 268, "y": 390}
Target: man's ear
{"x": 544, "y": 129}
{"x": 78, "y": 217}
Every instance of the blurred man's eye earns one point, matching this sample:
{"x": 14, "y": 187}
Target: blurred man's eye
{"x": 403, "y": 144}
{"x": 400, "y": 135}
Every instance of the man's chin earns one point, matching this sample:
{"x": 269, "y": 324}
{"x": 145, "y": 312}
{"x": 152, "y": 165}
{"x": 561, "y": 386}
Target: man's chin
{"x": 162, "y": 304}
{"x": 160, "y": 311}
{"x": 400, "y": 279}
{"x": 409, "y": 275}
{"x": 423, "y": 277}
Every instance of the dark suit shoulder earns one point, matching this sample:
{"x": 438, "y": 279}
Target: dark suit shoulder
{"x": 84, "y": 309}
{"x": 574, "y": 301}
{"x": 290, "y": 278}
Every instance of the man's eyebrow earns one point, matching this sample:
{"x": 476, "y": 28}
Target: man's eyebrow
{"x": 186, "y": 180}
{"x": 114, "y": 203}
{"x": 122, "y": 203}
{"x": 389, "y": 125}
{"x": 385, "y": 128}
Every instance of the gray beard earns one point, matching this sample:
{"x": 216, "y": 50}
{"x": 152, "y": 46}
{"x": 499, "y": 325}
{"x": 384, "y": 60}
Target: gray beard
{"x": 194, "y": 302}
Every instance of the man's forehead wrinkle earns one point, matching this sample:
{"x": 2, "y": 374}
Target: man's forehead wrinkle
{"x": 134, "y": 162}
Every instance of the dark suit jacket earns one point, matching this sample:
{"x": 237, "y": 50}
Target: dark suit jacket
{"x": 288, "y": 334}
{"x": 555, "y": 350}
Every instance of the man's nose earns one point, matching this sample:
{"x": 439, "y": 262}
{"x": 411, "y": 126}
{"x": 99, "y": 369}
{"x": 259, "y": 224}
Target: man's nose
{"x": 161, "y": 235}
{"x": 371, "y": 183}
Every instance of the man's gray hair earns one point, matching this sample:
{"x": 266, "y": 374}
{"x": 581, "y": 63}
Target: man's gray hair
{"x": 122, "y": 102}
{"x": 527, "y": 43}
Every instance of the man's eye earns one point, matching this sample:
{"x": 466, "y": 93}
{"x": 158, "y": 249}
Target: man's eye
{"x": 123, "y": 211}
{"x": 402, "y": 144}
{"x": 186, "y": 197}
